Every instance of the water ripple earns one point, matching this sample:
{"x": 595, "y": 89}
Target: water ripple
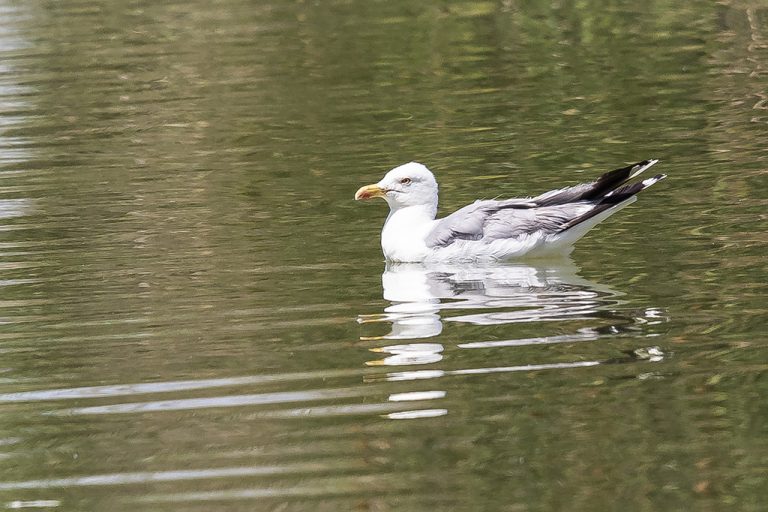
{"x": 358, "y": 485}
{"x": 164, "y": 387}
{"x": 162, "y": 476}
{"x": 219, "y": 401}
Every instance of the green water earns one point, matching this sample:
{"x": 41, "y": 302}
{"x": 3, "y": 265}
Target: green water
{"x": 195, "y": 314}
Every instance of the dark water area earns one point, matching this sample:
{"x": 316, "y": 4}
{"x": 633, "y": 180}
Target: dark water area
{"x": 195, "y": 314}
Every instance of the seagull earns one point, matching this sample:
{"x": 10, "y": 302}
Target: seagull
{"x": 495, "y": 230}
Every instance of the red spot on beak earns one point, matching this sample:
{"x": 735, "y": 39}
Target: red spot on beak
{"x": 369, "y": 191}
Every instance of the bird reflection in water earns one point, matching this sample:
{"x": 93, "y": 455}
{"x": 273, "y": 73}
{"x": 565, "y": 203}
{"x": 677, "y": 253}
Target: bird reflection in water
{"x": 424, "y": 296}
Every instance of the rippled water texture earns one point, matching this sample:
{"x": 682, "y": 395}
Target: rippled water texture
{"x": 195, "y": 314}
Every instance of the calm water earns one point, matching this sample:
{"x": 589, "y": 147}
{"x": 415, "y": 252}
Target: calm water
{"x": 195, "y": 315}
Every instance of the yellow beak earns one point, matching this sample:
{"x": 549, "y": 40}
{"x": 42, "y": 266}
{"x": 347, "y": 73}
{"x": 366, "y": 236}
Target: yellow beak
{"x": 369, "y": 191}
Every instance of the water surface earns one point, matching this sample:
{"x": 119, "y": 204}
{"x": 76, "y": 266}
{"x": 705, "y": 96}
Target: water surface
{"x": 196, "y": 316}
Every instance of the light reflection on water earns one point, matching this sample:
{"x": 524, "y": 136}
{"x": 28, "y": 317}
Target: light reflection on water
{"x": 512, "y": 293}
{"x": 423, "y": 297}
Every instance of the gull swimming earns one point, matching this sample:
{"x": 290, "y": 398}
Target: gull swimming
{"x": 495, "y": 230}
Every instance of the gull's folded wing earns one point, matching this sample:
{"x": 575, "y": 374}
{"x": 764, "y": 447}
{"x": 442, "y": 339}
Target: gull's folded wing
{"x": 550, "y": 213}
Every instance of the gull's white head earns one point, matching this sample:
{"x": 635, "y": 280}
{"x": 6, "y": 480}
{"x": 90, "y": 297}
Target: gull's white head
{"x": 410, "y": 184}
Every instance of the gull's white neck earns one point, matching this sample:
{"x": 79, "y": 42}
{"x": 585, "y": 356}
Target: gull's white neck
{"x": 404, "y": 232}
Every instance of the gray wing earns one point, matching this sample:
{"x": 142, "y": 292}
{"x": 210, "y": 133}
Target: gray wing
{"x": 494, "y": 220}
{"x": 468, "y": 223}
{"x": 551, "y": 212}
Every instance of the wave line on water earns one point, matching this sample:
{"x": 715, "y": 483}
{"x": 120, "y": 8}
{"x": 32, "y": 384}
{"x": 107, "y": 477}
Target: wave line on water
{"x": 385, "y": 409}
{"x": 161, "y": 476}
{"x": 435, "y": 374}
{"x": 583, "y": 335}
{"x": 524, "y": 368}
{"x": 217, "y": 401}
{"x": 165, "y": 387}
{"x": 355, "y": 485}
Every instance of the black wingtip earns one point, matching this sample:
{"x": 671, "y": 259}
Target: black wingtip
{"x": 626, "y": 191}
{"x": 613, "y": 179}
{"x": 614, "y": 197}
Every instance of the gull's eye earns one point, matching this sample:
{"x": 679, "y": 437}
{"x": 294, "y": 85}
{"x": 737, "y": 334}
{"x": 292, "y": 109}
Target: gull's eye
{"x": 405, "y": 181}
